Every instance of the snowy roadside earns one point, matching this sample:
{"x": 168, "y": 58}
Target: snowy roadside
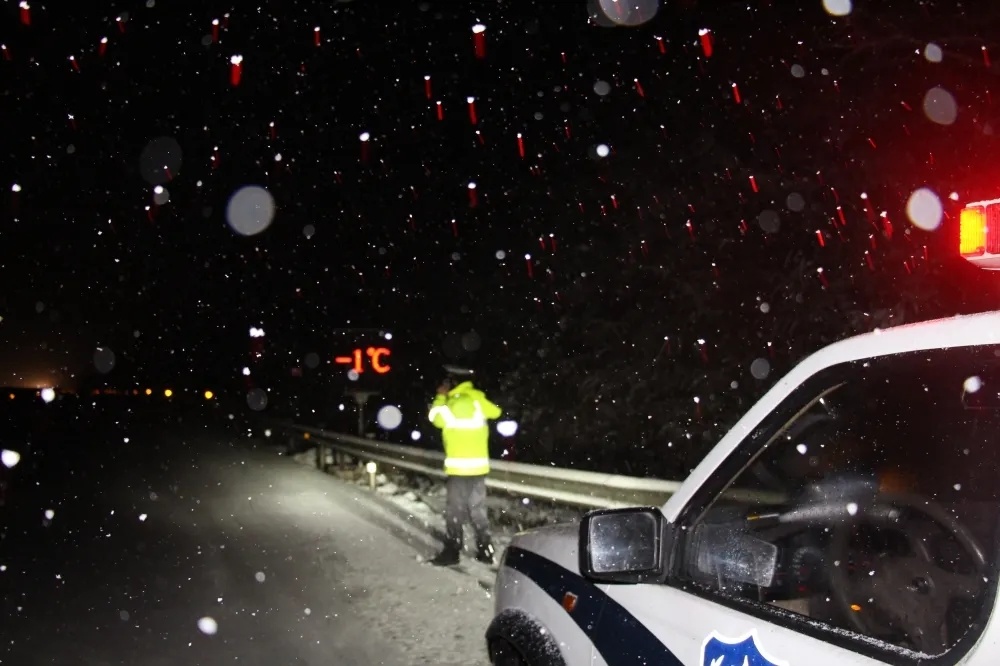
{"x": 420, "y": 501}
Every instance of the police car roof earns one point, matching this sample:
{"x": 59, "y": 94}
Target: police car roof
{"x": 958, "y": 331}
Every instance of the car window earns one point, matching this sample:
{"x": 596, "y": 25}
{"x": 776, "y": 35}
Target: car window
{"x": 871, "y": 510}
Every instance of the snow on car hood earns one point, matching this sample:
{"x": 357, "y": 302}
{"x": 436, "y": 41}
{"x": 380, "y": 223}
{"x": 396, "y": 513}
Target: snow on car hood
{"x": 559, "y": 543}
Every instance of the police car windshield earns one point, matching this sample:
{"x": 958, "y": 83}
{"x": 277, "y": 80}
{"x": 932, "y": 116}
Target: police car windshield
{"x": 900, "y": 420}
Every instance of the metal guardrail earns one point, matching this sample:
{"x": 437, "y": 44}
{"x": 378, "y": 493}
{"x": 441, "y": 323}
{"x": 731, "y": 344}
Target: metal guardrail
{"x": 563, "y": 486}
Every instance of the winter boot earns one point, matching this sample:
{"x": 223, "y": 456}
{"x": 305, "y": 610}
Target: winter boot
{"x": 449, "y": 556}
{"x": 486, "y": 553}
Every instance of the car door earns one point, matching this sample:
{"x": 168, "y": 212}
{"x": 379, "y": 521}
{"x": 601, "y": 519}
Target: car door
{"x": 856, "y": 525}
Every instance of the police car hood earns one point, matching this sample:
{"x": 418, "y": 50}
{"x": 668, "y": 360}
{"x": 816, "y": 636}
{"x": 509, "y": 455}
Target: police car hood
{"x": 558, "y": 543}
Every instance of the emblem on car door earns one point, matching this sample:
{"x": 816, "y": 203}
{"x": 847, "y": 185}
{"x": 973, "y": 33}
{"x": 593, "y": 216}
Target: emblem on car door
{"x": 719, "y": 650}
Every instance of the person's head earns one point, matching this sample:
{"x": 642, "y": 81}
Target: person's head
{"x": 455, "y": 375}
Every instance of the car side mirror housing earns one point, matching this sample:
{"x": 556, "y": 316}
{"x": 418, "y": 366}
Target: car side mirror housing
{"x": 625, "y": 545}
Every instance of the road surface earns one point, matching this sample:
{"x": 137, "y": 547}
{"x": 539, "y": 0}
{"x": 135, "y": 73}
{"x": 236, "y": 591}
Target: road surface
{"x": 188, "y": 546}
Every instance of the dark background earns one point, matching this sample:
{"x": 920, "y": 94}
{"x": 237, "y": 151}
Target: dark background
{"x": 595, "y": 352}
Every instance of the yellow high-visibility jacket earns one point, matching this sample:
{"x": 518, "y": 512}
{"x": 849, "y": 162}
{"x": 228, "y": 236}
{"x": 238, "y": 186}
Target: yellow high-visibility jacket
{"x": 462, "y": 415}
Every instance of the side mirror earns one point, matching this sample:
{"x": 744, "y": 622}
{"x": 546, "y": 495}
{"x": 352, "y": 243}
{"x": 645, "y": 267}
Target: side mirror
{"x": 725, "y": 551}
{"x": 624, "y": 545}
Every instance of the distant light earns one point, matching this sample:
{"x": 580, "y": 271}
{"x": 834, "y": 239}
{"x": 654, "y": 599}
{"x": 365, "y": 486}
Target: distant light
{"x": 603, "y": 150}
{"x": 246, "y": 372}
{"x": 340, "y": 407}
{"x": 388, "y": 336}
{"x": 48, "y": 395}
{"x": 9, "y": 458}
{"x": 478, "y": 28}
{"x": 256, "y": 332}
{"x": 415, "y": 435}
{"x": 507, "y": 428}
{"x": 168, "y": 393}
{"x": 365, "y": 136}
{"x": 371, "y": 468}
{"x": 209, "y": 395}
{"x": 149, "y": 391}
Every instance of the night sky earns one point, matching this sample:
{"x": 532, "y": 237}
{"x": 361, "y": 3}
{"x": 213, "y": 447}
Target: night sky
{"x": 363, "y": 233}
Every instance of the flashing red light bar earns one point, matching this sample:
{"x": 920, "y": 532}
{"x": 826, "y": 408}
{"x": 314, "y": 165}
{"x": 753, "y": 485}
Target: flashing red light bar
{"x": 979, "y": 233}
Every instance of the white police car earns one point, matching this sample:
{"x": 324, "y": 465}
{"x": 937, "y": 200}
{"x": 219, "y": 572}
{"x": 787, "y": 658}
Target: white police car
{"x": 850, "y": 517}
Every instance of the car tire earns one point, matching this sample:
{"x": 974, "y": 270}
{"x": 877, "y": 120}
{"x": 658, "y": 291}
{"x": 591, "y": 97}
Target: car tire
{"x": 503, "y": 653}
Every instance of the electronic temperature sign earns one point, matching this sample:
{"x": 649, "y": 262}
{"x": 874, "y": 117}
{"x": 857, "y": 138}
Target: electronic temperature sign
{"x": 360, "y": 360}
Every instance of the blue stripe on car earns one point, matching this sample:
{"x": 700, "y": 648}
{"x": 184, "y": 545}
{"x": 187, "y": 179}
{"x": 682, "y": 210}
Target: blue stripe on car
{"x": 616, "y": 634}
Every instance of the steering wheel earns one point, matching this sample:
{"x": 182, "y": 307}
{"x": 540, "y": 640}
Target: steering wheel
{"x": 913, "y": 592}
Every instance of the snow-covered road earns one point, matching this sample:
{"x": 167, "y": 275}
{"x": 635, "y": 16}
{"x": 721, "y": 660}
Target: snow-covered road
{"x": 219, "y": 554}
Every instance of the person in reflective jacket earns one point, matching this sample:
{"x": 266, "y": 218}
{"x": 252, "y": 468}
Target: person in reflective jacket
{"x": 462, "y": 414}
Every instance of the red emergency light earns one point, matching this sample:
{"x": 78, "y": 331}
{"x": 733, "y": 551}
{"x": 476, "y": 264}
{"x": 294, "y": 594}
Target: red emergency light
{"x": 979, "y": 233}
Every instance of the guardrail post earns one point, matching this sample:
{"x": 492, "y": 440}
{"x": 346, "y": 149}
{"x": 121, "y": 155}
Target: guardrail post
{"x": 320, "y": 456}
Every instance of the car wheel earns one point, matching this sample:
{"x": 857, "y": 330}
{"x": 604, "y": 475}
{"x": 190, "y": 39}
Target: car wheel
{"x": 503, "y": 653}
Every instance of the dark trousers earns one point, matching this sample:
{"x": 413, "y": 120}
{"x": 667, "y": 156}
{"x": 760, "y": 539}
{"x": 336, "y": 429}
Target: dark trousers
{"x": 466, "y": 503}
